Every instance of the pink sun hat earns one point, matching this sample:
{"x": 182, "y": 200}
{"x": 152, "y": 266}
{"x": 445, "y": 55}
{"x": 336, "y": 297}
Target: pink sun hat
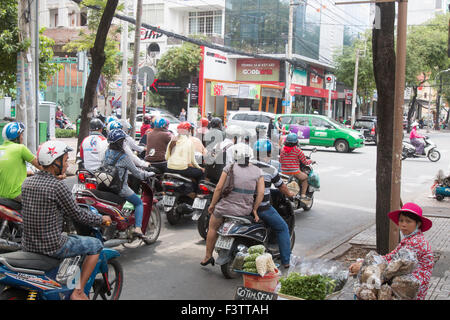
{"x": 414, "y": 209}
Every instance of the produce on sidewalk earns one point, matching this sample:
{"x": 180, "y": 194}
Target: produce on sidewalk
{"x": 255, "y": 260}
{"x": 379, "y": 280}
{"x": 308, "y": 287}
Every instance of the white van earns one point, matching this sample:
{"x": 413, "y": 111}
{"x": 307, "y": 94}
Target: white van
{"x": 250, "y": 119}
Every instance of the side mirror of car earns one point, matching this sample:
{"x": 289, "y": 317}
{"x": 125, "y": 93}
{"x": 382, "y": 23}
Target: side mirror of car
{"x": 314, "y": 150}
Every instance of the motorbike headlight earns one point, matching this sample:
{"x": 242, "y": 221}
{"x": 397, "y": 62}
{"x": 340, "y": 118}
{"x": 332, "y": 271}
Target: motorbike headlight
{"x": 242, "y": 248}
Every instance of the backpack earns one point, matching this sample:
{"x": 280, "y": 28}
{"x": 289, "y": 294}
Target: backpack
{"x": 108, "y": 178}
{"x": 215, "y": 161}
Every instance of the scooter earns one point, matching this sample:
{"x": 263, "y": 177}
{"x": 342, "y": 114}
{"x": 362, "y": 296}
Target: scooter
{"x": 200, "y": 206}
{"x": 295, "y": 185}
{"x": 122, "y": 215}
{"x": 10, "y": 225}
{"x": 430, "y": 151}
{"x": 237, "y": 234}
{"x": 32, "y": 276}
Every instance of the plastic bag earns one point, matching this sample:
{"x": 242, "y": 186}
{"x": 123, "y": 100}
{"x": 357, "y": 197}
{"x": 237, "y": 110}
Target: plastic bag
{"x": 405, "y": 287}
{"x": 372, "y": 268}
{"x": 239, "y": 260}
{"x": 313, "y": 179}
{"x": 257, "y": 249}
{"x": 404, "y": 262}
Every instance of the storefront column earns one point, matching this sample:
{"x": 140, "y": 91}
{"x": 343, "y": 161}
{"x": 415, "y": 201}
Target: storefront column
{"x": 275, "y": 107}
{"x": 225, "y": 110}
{"x": 260, "y": 103}
{"x": 267, "y": 103}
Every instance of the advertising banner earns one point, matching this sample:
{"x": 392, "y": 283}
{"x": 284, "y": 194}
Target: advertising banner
{"x": 300, "y": 77}
{"x": 314, "y": 80}
{"x": 224, "y": 89}
{"x": 257, "y": 70}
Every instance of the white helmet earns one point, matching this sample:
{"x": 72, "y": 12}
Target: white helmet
{"x": 126, "y": 126}
{"x": 49, "y": 151}
{"x": 414, "y": 124}
{"x": 242, "y": 151}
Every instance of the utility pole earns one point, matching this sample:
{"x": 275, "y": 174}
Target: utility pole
{"x": 36, "y": 73}
{"x": 288, "y": 96}
{"x": 355, "y": 87}
{"x": 137, "y": 42}
{"x": 124, "y": 48}
{"x": 22, "y": 73}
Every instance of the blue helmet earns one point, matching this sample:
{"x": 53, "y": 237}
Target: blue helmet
{"x": 13, "y": 130}
{"x": 114, "y": 125}
{"x": 110, "y": 119}
{"x": 116, "y": 135}
{"x": 262, "y": 145}
{"x": 292, "y": 138}
{"x": 161, "y": 123}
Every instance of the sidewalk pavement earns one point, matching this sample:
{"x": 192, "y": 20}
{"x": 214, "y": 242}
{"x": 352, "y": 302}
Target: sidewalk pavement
{"x": 71, "y": 142}
{"x": 438, "y": 237}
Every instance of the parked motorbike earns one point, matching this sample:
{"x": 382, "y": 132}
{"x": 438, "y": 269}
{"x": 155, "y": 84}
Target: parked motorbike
{"x": 430, "y": 151}
{"x": 32, "y": 276}
{"x": 10, "y": 225}
{"x": 295, "y": 186}
{"x": 237, "y": 234}
{"x": 122, "y": 215}
{"x": 177, "y": 199}
{"x": 200, "y": 206}
{"x": 85, "y": 180}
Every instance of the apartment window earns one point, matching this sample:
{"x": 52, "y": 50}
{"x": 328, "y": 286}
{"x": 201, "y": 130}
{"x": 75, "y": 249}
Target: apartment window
{"x": 438, "y": 4}
{"x": 53, "y": 18}
{"x": 205, "y": 22}
{"x": 153, "y": 14}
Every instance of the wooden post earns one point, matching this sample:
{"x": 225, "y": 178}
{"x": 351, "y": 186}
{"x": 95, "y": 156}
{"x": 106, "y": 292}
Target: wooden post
{"x": 275, "y": 106}
{"x": 260, "y": 103}
{"x": 225, "y": 101}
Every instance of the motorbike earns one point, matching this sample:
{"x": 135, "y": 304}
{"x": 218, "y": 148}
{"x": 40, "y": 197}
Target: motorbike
{"x": 122, "y": 215}
{"x": 430, "y": 151}
{"x": 237, "y": 234}
{"x": 200, "y": 206}
{"x": 32, "y": 276}
{"x": 10, "y": 225}
{"x": 295, "y": 185}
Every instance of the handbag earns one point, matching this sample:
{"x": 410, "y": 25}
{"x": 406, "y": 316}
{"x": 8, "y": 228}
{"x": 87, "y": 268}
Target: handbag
{"x": 108, "y": 178}
{"x": 229, "y": 183}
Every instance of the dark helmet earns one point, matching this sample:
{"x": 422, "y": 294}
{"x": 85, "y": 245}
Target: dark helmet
{"x": 116, "y": 135}
{"x": 216, "y": 123}
{"x": 260, "y": 128}
{"x": 96, "y": 124}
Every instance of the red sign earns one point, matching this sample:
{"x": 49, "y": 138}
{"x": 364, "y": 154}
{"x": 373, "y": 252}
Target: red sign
{"x": 297, "y": 89}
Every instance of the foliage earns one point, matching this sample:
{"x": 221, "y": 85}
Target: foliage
{"x": 11, "y": 46}
{"x": 313, "y": 287}
{"x": 65, "y": 133}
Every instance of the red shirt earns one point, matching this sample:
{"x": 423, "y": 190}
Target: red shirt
{"x": 290, "y": 159}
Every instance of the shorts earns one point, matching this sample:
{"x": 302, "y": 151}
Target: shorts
{"x": 79, "y": 246}
{"x": 291, "y": 173}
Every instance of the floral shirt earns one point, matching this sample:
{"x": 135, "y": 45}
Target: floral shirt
{"x": 420, "y": 246}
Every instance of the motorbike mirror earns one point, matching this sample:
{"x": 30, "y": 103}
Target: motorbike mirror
{"x": 314, "y": 150}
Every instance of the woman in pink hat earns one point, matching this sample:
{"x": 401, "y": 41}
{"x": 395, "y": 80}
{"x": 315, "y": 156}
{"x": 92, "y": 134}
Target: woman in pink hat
{"x": 412, "y": 224}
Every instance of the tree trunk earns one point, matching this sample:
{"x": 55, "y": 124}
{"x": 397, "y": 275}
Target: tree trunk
{"x": 412, "y": 108}
{"x": 98, "y": 60}
{"x": 384, "y": 71}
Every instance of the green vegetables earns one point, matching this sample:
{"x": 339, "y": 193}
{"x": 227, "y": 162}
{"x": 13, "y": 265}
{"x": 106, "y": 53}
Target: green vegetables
{"x": 313, "y": 287}
{"x": 260, "y": 249}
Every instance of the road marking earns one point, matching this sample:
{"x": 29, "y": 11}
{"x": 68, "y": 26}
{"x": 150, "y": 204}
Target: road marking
{"x": 345, "y": 205}
{"x": 178, "y": 247}
{"x": 328, "y": 169}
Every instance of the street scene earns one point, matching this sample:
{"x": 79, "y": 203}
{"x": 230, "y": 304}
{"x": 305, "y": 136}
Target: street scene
{"x": 216, "y": 150}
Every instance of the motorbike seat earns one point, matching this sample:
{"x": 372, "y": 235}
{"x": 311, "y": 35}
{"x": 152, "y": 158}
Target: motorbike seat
{"x": 208, "y": 183}
{"x": 243, "y": 219}
{"x": 105, "y": 196}
{"x": 176, "y": 176}
{"x": 10, "y": 203}
{"x": 155, "y": 170}
{"x": 30, "y": 260}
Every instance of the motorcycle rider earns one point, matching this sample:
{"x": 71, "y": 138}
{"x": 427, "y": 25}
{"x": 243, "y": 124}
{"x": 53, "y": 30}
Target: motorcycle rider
{"x": 45, "y": 201}
{"x": 157, "y": 141}
{"x": 290, "y": 158}
{"x": 116, "y": 150}
{"x": 263, "y": 150}
{"x": 13, "y": 158}
{"x": 240, "y": 138}
{"x": 180, "y": 155}
{"x": 199, "y": 147}
{"x": 202, "y": 130}
{"x": 93, "y": 147}
{"x": 416, "y": 139}
{"x": 239, "y": 202}
{"x": 215, "y": 133}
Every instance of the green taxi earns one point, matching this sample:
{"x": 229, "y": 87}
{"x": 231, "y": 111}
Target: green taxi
{"x": 318, "y": 130}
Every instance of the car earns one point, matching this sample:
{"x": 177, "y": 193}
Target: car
{"x": 250, "y": 119}
{"x": 368, "y": 127}
{"x": 319, "y": 130}
{"x": 173, "y": 122}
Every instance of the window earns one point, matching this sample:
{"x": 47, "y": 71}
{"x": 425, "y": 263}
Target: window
{"x": 205, "y": 22}
{"x": 301, "y": 121}
{"x": 252, "y": 117}
{"x": 286, "y": 120}
{"x": 153, "y": 14}
{"x": 240, "y": 116}
{"x": 317, "y": 122}
{"x": 438, "y": 4}
{"x": 53, "y": 18}
{"x": 265, "y": 119}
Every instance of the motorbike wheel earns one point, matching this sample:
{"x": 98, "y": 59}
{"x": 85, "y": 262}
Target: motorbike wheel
{"x": 434, "y": 155}
{"x": 293, "y": 240}
{"x": 13, "y": 294}
{"x": 203, "y": 224}
{"x": 173, "y": 217}
{"x": 153, "y": 227}
{"x": 440, "y": 197}
{"x": 308, "y": 207}
{"x": 115, "y": 279}
{"x": 227, "y": 270}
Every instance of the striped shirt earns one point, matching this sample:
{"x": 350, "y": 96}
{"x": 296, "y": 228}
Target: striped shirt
{"x": 271, "y": 176}
{"x": 290, "y": 159}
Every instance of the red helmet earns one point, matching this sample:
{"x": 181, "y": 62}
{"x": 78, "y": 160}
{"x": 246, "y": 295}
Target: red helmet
{"x": 204, "y": 122}
{"x": 184, "y": 126}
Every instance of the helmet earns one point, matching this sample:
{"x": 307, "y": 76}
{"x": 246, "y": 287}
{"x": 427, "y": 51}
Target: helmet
{"x": 414, "y": 124}
{"x": 292, "y": 138}
{"x": 161, "y": 123}
{"x": 126, "y": 126}
{"x": 216, "y": 123}
{"x": 147, "y": 119}
{"x": 110, "y": 119}
{"x": 49, "y": 151}
{"x": 96, "y": 124}
{"x": 184, "y": 126}
{"x": 115, "y": 135}
{"x": 241, "y": 151}
{"x": 114, "y": 125}
{"x": 13, "y": 130}
{"x": 260, "y": 128}
{"x": 204, "y": 122}
{"x": 262, "y": 145}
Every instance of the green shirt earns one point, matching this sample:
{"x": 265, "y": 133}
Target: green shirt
{"x": 13, "y": 169}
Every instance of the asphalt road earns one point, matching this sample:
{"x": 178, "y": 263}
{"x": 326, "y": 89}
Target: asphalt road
{"x": 170, "y": 269}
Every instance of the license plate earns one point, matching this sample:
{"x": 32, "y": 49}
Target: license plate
{"x": 199, "y": 204}
{"x": 196, "y": 215}
{"x": 78, "y": 187}
{"x": 168, "y": 201}
{"x": 224, "y": 242}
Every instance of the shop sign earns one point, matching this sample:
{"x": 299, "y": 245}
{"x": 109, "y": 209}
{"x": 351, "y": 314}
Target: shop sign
{"x": 316, "y": 81}
{"x": 165, "y": 86}
{"x": 348, "y": 96}
{"x": 299, "y": 77}
{"x": 147, "y": 34}
{"x": 257, "y": 70}
{"x": 312, "y": 92}
{"x": 249, "y": 91}
{"x": 224, "y": 89}
{"x": 271, "y": 92}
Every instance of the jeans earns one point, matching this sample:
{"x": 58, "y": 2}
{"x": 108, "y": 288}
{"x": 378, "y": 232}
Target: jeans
{"x": 79, "y": 245}
{"x": 277, "y": 223}
{"x": 138, "y": 209}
